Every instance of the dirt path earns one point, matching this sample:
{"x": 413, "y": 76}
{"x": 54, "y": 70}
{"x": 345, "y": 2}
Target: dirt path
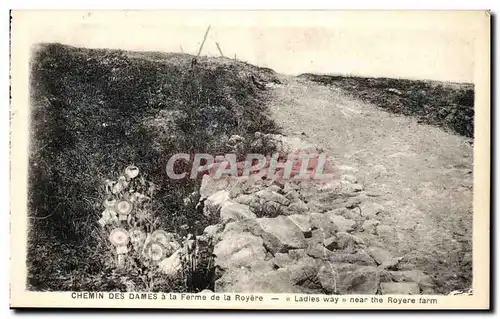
{"x": 422, "y": 176}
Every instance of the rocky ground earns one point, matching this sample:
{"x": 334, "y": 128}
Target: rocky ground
{"x": 397, "y": 222}
{"x": 319, "y": 240}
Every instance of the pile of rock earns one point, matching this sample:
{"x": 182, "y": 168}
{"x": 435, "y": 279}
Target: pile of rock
{"x": 298, "y": 237}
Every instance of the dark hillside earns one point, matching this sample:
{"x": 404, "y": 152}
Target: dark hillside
{"x": 93, "y": 112}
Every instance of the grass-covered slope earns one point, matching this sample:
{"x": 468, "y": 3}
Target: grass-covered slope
{"x": 93, "y": 112}
{"x": 447, "y": 105}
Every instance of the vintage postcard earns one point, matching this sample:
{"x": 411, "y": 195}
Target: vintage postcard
{"x": 250, "y": 159}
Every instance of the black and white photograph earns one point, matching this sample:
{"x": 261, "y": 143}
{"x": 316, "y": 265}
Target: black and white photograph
{"x": 202, "y": 153}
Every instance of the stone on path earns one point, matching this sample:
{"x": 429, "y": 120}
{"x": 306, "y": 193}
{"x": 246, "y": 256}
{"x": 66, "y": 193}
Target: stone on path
{"x": 353, "y": 279}
{"x": 297, "y": 206}
{"x": 302, "y": 221}
{"x": 272, "y": 196}
{"x": 238, "y": 249}
{"x": 399, "y": 288}
{"x": 214, "y": 202}
{"x": 285, "y": 230}
{"x": 382, "y": 257}
{"x": 342, "y": 224}
{"x": 243, "y": 280}
{"x": 231, "y": 211}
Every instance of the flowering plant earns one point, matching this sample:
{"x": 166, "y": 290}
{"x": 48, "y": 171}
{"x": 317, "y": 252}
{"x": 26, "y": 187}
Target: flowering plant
{"x": 141, "y": 249}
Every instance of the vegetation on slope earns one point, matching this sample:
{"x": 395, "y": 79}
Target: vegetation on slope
{"x": 93, "y": 112}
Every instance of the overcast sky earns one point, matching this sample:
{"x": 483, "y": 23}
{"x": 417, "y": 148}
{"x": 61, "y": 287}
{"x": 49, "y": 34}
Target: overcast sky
{"x": 425, "y": 45}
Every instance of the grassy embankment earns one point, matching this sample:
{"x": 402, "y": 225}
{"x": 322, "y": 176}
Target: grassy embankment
{"x": 93, "y": 112}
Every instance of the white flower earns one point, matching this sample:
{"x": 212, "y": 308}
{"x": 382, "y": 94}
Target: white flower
{"x": 119, "y": 237}
{"x": 123, "y": 207}
{"x": 131, "y": 171}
